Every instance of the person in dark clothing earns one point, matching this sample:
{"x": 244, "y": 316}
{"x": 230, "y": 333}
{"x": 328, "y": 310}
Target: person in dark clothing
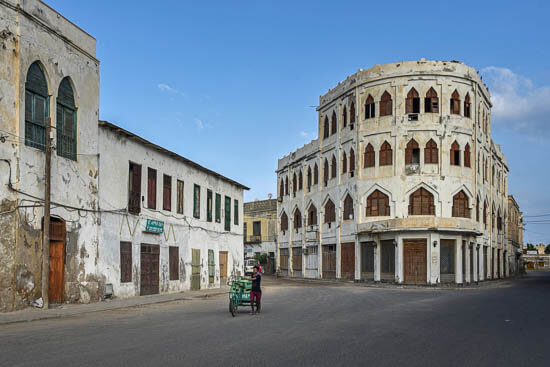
{"x": 256, "y": 291}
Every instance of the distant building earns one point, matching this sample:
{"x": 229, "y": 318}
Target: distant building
{"x": 515, "y": 232}
{"x": 260, "y": 229}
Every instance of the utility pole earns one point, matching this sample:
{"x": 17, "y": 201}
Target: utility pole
{"x": 46, "y": 229}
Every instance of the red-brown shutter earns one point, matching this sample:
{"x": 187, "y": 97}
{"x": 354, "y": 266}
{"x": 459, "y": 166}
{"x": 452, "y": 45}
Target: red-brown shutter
{"x": 151, "y": 188}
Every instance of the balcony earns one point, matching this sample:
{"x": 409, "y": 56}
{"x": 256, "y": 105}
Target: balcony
{"x": 253, "y": 239}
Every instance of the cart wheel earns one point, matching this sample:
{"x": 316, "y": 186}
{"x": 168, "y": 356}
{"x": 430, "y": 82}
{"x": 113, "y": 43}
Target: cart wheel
{"x": 258, "y": 307}
{"x": 232, "y": 308}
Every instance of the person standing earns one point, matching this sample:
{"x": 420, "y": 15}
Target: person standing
{"x": 256, "y": 291}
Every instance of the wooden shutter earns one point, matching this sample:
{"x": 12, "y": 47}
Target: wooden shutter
{"x": 209, "y": 202}
{"x": 284, "y": 222}
{"x": 151, "y": 188}
{"x": 385, "y": 104}
{"x": 467, "y": 155}
{"x": 333, "y": 167}
{"x": 431, "y": 152}
{"x": 180, "y": 197}
{"x": 125, "y": 262}
{"x": 218, "y": 208}
{"x": 197, "y": 201}
{"x": 334, "y": 123}
{"x": 369, "y": 156}
{"x": 236, "y": 212}
{"x": 411, "y": 145}
{"x": 174, "y": 262}
{"x": 167, "y": 193}
{"x": 227, "y": 226}
{"x": 315, "y": 175}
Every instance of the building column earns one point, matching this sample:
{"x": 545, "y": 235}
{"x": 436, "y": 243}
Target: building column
{"x": 377, "y": 260}
{"x": 434, "y": 268}
{"x": 459, "y": 256}
{"x": 399, "y": 259}
{"x": 357, "y": 258}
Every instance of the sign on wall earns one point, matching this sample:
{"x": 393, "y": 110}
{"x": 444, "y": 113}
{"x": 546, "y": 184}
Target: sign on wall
{"x": 152, "y": 226}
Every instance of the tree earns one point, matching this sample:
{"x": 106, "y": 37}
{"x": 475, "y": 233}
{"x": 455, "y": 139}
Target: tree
{"x": 547, "y": 250}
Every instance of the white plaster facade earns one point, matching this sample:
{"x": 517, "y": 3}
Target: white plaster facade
{"x": 399, "y": 179}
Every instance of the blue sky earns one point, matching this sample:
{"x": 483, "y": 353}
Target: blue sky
{"x": 230, "y": 84}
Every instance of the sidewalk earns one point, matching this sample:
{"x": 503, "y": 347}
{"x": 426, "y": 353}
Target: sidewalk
{"x": 67, "y": 310}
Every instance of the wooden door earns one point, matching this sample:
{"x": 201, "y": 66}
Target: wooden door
{"x": 223, "y": 266}
{"x": 329, "y": 262}
{"x": 348, "y": 261}
{"x": 57, "y": 271}
{"x": 196, "y": 270}
{"x": 414, "y": 256}
{"x": 149, "y": 280}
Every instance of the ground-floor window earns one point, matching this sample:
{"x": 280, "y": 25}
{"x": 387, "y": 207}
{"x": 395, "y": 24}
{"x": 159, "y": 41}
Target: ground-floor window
{"x": 173, "y": 262}
{"x": 284, "y": 258}
{"x": 211, "y": 266}
{"x": 125, "y": 262}
{"x": 447, "y": 261}
{"x": 367, "y": 258}
{"x": 297, "y": 258}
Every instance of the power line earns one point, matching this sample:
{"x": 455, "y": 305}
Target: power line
{"x": 540, "y": 215}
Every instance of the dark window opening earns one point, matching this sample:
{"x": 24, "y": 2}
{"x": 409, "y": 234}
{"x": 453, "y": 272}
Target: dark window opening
{"x": 167, "y": 193}
{"x": 125, "y": 262}
{"x": 174, "y": 262}
{"x": 151, "y": 188}
{"x": 412, "y": 103}
{"x": 431, "y": 102}
{"x": 134, "y": 189}
{"x": 369, "y": 107}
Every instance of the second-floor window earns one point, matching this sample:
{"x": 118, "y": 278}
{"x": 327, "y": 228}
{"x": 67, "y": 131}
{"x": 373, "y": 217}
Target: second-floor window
{"x": 197, "y": 201}
{"x": 134, "y": 189}
{"x": 209, "y": 205}
{"x": 151, "y": 188}
{"x": 218, "y": 208}
{"x": 180, "y": 197}
{"x": 167, "y": 193}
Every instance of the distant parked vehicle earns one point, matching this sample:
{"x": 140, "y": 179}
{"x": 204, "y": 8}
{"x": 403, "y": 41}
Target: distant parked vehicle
{"x": 249, "y": 266}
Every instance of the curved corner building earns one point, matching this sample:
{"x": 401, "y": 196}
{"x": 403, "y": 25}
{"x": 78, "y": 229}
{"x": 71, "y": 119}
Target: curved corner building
{"x": 404, "y": 183}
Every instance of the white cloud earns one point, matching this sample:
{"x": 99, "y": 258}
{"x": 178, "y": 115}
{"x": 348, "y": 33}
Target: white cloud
{"x": 304, "y": 134}
{"x": 166, "y": 88}
{"x": 517, "y": 102}
{"x": 201, "y": 125}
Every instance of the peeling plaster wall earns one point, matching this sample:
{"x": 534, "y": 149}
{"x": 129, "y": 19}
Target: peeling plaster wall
{"x": 442, "y": 179}
{"x": 31, "y": 31}
{"x": 117, "y": 151}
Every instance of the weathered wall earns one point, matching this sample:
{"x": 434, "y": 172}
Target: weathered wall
{"x": 183, "y": 231}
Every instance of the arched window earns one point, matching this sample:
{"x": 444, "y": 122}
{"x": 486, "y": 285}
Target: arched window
{"x": 287, "y": 192}
{"x": 412, "y": 103}
{"x": 493, "y": 217}
{"x": 386, "y": 105}
{"x": 36, "y": 107}
{"x": 485, "y": 214}
{"x": 297, "y": 219}
{"x": 294, "y": 184}
{"x": 369, "y": 107}
{"x": 368, "y": 160}
{"x": 326, "y": 128}
{"x": 455, "y": 103}
{"x": 412, "y": 152}
{"x": 309, "y": 181}
{"x": 352, "y": 114}
{"x": 330, "y": 212}
{"x": 467, "y": 106}
{"x": 499, "y": 221}
{"x": 312, "y": 216}
{"x": 431, "y": 102}
{"x": 455, "y": 154}
{"x": 344, "y": 118}
{"x": 344, "y": 163}
{"x": 431, "y": 153}
{"x": 333, "y": 172}
{"x": 325, "y": 172}
{"x": 477, "y": 209}
{"x": 334, "y": 123}
{"x": 467, "y": 155}
{"x": 284, "y": 222}
{"x": 66, "y": 121}
{"x": 300, "y": 181}
{"x": 460, "y": 205}
{"x": 315, "y": 174}
{"x": 282, "y": 189}
{"x": 386, "y": 154}
{"x": 378, "y": 204}
{"x": 421, "y": 202}
{"x": 348, "y": 208}
{"x": 351, "y": 160}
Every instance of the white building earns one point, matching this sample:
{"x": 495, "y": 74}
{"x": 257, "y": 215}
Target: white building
{"x": 404, "y": 183}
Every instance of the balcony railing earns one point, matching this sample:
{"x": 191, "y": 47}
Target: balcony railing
{"x": 253, "y": 239}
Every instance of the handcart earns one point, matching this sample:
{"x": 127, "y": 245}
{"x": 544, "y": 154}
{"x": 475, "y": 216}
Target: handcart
{"x": 239, "y": 294}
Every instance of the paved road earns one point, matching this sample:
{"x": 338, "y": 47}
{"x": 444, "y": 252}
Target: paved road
{"x": 316, "y": 325}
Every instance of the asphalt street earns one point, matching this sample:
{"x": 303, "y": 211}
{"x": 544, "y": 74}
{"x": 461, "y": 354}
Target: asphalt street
{"x": 305, "y": 325}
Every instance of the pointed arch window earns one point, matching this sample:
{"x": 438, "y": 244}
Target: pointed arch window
{"x": 282, "y": 188}
{"x": 455, "y": 154}
{"x": 412, "y": 103}
{"x": 412, "y": 152}
{"x": 386, "y": 104}
{"x": 309, "y": 181}
{"x": 369, "y": 108}
{"x": 348, "y": 208}
{"x": 344, "y": 163}
{"x": 431, "y": 102}
{"x": 300, "y": 181}
{"x": 326, "y": 128}
{"x": 36, "y": 107}
{"x": 378, "y": 204}
{"x": 485, "y": 214}
{"x": 477, "y": 209}
{"x": 66, "y": 121}
{"x": 499, "y": 221}
{"x": 294, "y": 184}
{"x": 312, "y": 216}
{"x": 315, "y": 174}
{"x": 421, "y": 202}
{"x": 368, "y": 160}
{"x": 330, "y": 212}
{"x": 431, "y": 153}
{"x": 333, "y": 170}
{"x": 286, "y": 186}
{"x": 455, "y": 103}
{"x": 334, "y": 123}
{"x": 385, "y": 155}
{"x": 351, "y": 161}
{"x": 297, "y": 219}
{"x": 467, "y": 155}
{"x": 352, "y": 114}
{"x": 467, "y": 106}
{"x": 344, "y": 118}
{"x": 284, "y": 222}
{"x": 460, "y": 205}
{"x": 325, "y": 172}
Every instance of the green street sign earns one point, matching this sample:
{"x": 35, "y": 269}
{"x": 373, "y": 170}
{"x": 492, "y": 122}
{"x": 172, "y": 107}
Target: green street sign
{"x": 153, "y": 226}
